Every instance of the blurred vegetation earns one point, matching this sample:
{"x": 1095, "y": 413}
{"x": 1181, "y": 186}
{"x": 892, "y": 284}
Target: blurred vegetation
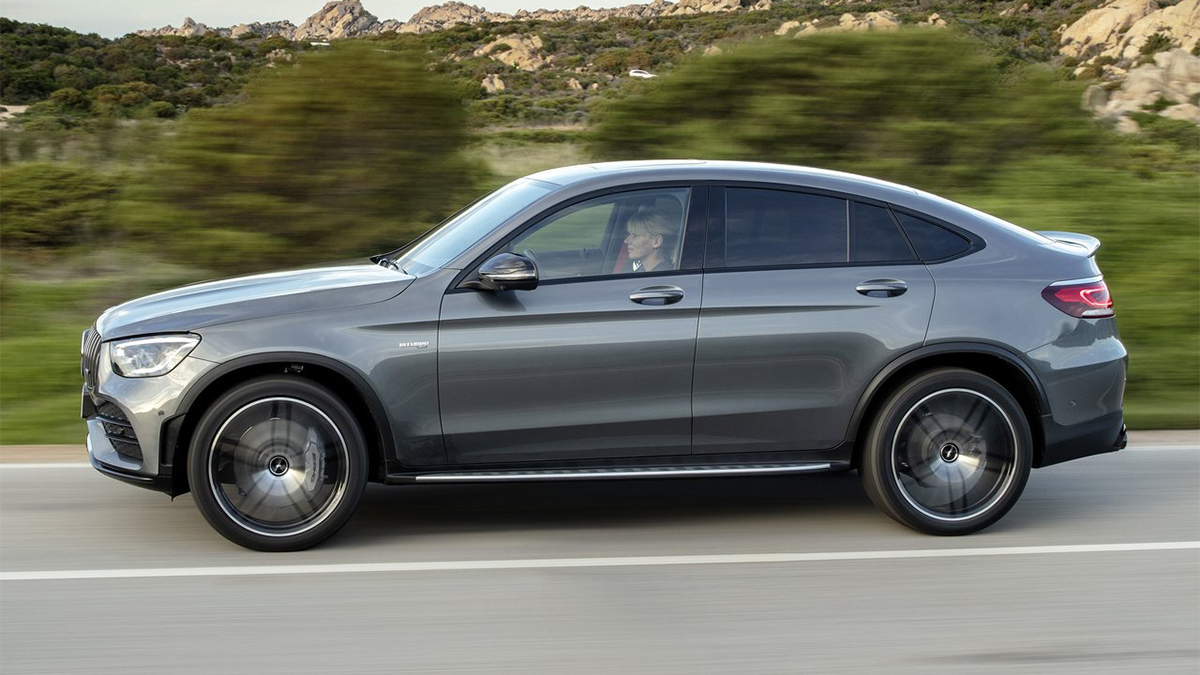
{"x": 72, "y": 78}
{"x": 121, "y": 182}
{"x": 934, "y": 110}
{"x": 354, "y": 150}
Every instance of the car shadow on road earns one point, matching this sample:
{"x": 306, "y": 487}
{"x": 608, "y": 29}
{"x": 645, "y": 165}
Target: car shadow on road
{"x": 426, "y": 509}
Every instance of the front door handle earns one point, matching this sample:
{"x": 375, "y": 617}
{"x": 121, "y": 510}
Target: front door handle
{"x": 657, "y": 295}
{"x": 882, "y": 288}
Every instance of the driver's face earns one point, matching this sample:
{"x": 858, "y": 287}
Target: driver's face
{"x": 642, "y": 245}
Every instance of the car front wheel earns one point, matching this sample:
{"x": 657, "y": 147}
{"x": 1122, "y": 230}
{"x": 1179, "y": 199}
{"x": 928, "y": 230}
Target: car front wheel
{"x": 277, "y": 464}
{"x": 948, "y": 452}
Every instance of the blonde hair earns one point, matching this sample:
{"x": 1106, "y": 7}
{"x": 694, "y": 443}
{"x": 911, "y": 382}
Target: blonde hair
{"x": 651, "y": 222}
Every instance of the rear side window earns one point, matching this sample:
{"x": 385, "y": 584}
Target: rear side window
{"x": 773, "y": 227}
{"x": 932, "y": 242}
{"x": 874, "y": 236}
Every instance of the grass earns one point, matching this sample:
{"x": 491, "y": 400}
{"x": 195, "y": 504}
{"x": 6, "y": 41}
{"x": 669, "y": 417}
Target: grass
{"x": 45, "y": 309}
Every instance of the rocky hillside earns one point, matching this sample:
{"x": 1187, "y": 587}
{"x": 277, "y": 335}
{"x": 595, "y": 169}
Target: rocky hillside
{"x": 348, "y": 19}
{"x": 555, "y": 66}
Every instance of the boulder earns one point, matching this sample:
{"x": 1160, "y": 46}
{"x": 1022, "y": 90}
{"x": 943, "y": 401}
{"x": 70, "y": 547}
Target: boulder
{"x": 1179, "y": 23}
{"x": 574, "y": 84}
{"x": 786, "y": 26}
{"x": 1104, "y": 25}
{"x": 884, "y": 20}
{"x": 492, "y": 84}
{"x": 1095, "y": 98}
{"x": 338, "y": 19}
{"x": 447, "y": 15}
{"x": 521, "y": 52}
{"x": 1174, "y": 76}
{"x": 1184, "y": 111}
{"x": 706, "y": 6}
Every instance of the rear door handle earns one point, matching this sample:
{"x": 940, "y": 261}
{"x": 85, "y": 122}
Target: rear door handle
{"x": 657, "y": 295}
{"x": 882, "y": 288}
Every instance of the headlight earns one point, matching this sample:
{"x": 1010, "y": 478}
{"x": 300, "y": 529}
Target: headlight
{"x": 152, "y": 356}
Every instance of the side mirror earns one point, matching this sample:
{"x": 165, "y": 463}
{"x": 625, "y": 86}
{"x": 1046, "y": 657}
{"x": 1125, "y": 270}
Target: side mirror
{"x": 508, "y": 272}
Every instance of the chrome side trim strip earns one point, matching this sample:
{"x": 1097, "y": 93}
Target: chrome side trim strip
{"x": 603, "y": 474}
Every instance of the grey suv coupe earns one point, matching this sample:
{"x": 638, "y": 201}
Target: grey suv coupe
{"x": 625, "y": 320}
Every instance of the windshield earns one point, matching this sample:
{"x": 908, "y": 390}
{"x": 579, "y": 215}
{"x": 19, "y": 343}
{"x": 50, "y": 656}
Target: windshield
{"x": 437, "y": 247}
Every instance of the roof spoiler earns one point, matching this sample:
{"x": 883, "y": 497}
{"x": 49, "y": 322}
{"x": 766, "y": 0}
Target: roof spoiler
{"x": 1086, "y": 244}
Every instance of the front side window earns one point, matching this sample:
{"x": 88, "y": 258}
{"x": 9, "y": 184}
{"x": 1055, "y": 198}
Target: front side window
{"x": 774, "y": 227}
{"x": 626, "y": 233}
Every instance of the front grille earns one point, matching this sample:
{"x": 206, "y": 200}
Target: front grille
{"x": 90, "y": 359}
{"x": 119, "y": 431}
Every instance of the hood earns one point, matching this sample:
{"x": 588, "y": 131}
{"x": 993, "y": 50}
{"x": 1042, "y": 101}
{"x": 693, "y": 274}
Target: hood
{"x": 261, "y": 295}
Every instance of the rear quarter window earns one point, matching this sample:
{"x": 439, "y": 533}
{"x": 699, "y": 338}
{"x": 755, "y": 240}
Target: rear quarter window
{"x": 874, "y": 236}
{"x": 933, "y": 242}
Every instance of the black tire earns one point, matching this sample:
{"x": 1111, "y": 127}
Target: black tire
{"x": 948, "y": 452}
{"x": 277, "y": 463}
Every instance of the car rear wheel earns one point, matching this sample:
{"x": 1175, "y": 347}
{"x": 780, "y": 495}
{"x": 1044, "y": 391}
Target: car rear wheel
{"x": 948, "y": 452}
{"x": 277, "y": 464}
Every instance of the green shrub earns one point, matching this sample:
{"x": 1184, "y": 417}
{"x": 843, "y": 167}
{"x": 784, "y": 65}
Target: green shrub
{"x": 1156, "y": 43}
{"x": 46, "y": 206}
{"x": 351, "y": 152}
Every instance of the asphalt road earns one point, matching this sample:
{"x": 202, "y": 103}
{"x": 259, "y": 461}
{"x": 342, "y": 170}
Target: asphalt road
{"x": 737, "y": 575}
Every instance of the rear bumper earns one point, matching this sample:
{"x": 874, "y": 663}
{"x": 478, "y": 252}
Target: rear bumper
{"x": 1094, "y": 437}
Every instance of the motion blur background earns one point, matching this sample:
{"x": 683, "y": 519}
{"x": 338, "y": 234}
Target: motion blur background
{"x": 151, "y": 161}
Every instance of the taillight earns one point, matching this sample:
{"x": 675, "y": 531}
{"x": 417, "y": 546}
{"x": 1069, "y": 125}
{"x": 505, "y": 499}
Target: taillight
{"x": 1082, "y": 300}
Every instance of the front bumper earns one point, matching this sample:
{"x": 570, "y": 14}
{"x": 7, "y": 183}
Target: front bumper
{"x": 127, "y": 419}
{"x": 97, "y": 453}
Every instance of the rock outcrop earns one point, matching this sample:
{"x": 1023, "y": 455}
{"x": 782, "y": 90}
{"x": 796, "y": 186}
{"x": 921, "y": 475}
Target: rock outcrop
{"x": 883, "y": 20}
{"x": 934, "y": 20}
{"x": 1111, "y": 42}
{"x": 1170, "y": 85}
{"x": 1119, "y": 29}
{"x": 188, "y": 28}
{"x": 285, "y": 29}
{"x": 1179, "y": 23}
{"x": 338, "y": 19}
{"x": 347, "y": 18}
{"x": 437, "y": 17}
{"x": 519, "y": 51}
{"x": 492, "y": 84}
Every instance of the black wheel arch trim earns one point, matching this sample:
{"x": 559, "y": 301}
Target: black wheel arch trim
{"x": 357, "y": 380}
{"x": 966, "y": 348}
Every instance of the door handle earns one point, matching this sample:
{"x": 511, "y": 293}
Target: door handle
{"x": 657, "y": 295}
{"x": 882, "y": 288}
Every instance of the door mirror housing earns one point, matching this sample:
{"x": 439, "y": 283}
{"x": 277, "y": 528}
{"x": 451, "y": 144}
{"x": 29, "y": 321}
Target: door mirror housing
{"x": 508, "y": 272}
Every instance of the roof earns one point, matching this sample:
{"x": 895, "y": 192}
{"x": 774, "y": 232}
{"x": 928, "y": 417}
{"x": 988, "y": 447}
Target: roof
{"x": 696, "y": 169}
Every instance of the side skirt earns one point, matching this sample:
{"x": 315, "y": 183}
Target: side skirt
{"x": 614, "y": 473}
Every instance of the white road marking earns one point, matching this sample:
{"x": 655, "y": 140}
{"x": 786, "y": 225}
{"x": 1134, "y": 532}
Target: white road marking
{"x": 552, "y": 563}
{"x": 47, "y": 465}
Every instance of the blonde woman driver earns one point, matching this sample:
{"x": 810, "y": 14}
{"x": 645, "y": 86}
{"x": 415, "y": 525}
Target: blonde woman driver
{"x": 651, "y": 241}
